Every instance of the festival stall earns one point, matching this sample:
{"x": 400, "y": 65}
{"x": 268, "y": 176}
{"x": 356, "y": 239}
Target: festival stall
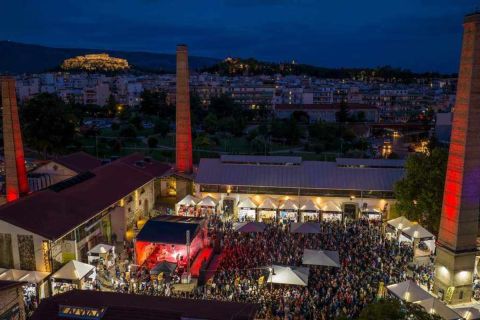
{"x": 207, "y": 206}
{"x": 421, "y": 239}
{"x": 249, "y": 227}
{"x": 101, "y": 252}
{"x": 267, "y": 210}
{"x": 288, "y": 212}
{"x": 468, "y": 313}
{"x": 297, "y": 276}
{"x": 372, "y": 214}
{"x": 321, "y": 258}
{"x": 309, "y": 211}
{"x": 37, "y": 284}
{"x": 73, "y": 275}
{"x": 408, "y": 291}
{"x": 161, "y": 240}
{"x": 187, "y": 206}
{"x": 331, "y": 211}
{"x": 395, "y": 226}
{"x": 247, "y": 210}
{"x": 305, "y": 227}
{"x": 436, "y": 307}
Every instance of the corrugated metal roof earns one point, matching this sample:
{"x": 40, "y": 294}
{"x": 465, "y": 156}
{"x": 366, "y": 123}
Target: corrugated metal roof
{"x": 308, "y": 174}
{"x": 260, "y": 159}
{"x": 386, "y": 163}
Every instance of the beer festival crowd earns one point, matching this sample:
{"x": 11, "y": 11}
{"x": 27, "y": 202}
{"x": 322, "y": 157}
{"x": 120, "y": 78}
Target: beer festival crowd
{"x": 368, "y": 262}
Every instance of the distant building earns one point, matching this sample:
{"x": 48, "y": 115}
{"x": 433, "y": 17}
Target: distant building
{"x": 327, "y": 112}
{"x": 95, "y": 62}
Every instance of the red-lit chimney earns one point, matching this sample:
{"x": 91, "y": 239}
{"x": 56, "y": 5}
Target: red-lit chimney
{"x": 15, "y": 170}
{"x": 183, "y": 124}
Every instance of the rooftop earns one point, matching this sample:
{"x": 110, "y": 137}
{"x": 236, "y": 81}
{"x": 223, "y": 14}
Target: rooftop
{"x": 345, "y": 174}
{"x": 119, "y": 306}
{"x": 332, "y": 106}
{"x": 172, "y": 232}
{"x": 53, "y": 212}
{"x": 79, "y": 161}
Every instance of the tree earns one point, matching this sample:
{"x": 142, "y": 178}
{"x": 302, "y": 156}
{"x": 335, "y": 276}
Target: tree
{"x": 161, "y": 127}
{"x": 390, "y": 309}
{"x": 111, "y": 106}
{"x": 420, "y": 193}
{"x": 342, "y": 114}
{"x": 152, "y": 142}
{"x": 48, "y": 124}
{"x": 155, "y": 103}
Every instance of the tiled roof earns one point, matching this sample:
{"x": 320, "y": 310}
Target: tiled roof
{"x": 308, "y": 174}
{"x": 52, "y": 213}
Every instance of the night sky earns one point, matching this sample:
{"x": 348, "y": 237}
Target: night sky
{"x": 422, "y": 35}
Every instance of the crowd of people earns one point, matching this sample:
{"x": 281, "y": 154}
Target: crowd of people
{"x": 368, "y": 261}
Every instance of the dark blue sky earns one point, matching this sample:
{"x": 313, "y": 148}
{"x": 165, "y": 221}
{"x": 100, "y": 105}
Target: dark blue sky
{"x": 422, "y": 35}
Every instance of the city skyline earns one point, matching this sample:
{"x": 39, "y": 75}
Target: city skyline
{"x": 412, "y": 35}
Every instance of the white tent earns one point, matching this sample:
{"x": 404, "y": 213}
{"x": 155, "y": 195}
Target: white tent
{"x": 208, "y": 201}
{"x": 304, "y": 227}
{"x": 331, "y": 206}
{"x": 416, "y": 231}
{"x": 435, "y": 306}
{"x": 468, "y": 313}
{"x": 247, "y": 203}
{"x": 268, "y": 204}
{"x": 288, "y": 205}
{"x": 249, "y": 227}
{"x": 101, "y": 249}
{"x": 73, "y": 270}
{"x": 309, "y": 205}
{"x": 33, "y": 277}
{"x": 189, "y": 200}
{"x": 408, "y": 291}
{"x": 400, "y": 223}
{"x": 289, "y": 275}
{"x": 321, "y": 258}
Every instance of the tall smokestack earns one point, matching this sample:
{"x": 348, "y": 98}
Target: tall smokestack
{"x": 183, "y": 124}
{"x": 15, "y": 170}
{"x": 457, "y": 237}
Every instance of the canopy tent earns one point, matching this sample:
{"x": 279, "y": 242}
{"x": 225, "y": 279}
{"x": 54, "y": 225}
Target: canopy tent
{"x": 289, "y": 275}
{"x": 468, "y": 313}
{"x": 435, "y": 306}
{"x": 304, "y": 227}
{"x": 331, "y": 206}
{"x": 101, "y": 249}
{"x": 400, "y": 223}
{"x": 408, "y": 291}
{"x": 249, "y": 227}
{"x": 268, "y": 204}
{"x": 208, "y": 201}
{"x": 33, "y": 277}
{"x": 247, "y": 203}
{"x": 416, "y": 231}
{"x": 288, "y": 205}
{"x": 321, "y": 258}
{"x": 73, "y": 270}
{"x": 309, "y": 205}
{"x": 164, "y": 266}
{"x": 189, "y": 200}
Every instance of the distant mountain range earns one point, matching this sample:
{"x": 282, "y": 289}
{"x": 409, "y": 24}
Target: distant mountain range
{"x": 29, "y": 58}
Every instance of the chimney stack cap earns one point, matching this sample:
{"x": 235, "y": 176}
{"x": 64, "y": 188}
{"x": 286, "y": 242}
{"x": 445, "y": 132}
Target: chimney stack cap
{"x": 473, "y": 17}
